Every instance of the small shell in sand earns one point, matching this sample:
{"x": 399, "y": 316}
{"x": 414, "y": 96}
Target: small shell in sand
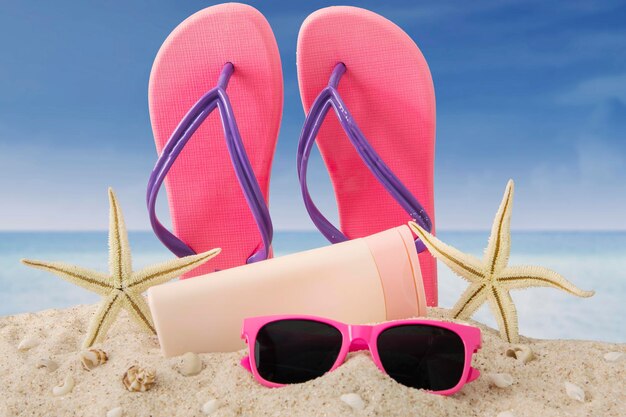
{"x": 613, "y": 356}
{"x": 210, "y": 406}
{"x": 190, "y": 364}
{"x": 500, "y": 380}
{"x": 92, "y": 358}
{"x": 507, "y": 413}
{"x": 28, "y": 343}
{"x": 138, "y": 379}
{"x": 522, "y": 353}
{"x": 353, "y": 400}
{"x": 49, "y": 364}
{"x": 115, "y": 412}
{"x": 575, "y": 392}
{"x": 65, "y": 388}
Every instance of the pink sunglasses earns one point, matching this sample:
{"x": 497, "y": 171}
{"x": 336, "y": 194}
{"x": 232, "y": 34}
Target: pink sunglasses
{"x": 423, "y": 354}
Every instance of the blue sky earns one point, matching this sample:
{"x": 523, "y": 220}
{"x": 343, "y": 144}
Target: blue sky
{"x": 529, "y": 90}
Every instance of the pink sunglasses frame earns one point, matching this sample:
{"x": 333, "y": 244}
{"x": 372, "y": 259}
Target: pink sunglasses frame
{"x": 364, "y": 337}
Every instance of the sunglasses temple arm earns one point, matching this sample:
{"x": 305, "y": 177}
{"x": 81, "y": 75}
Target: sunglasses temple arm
{"x": 245, "y": 362}
{"x": 473, "y": 373}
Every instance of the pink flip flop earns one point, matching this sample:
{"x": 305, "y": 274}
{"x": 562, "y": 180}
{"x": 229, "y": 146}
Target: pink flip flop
{"x": 224, "y": 57}
{"x": 378, "y": 83}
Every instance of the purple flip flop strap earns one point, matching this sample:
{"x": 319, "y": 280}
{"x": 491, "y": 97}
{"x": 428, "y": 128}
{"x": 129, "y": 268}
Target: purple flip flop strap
{"x": 329, "y": 97}
{"x": 214, "y": 98}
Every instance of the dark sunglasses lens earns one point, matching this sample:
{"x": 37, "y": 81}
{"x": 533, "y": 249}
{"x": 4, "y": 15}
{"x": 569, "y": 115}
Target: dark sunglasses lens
{"x": 294, "y": 351}
{"x": 422, "y": 356}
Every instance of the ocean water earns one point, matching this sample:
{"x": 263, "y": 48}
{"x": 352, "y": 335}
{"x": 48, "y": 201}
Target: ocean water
{"x": 590, "y": 260}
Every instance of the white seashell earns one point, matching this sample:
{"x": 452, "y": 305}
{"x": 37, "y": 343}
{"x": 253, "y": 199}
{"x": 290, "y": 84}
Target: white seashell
{"x": 92, "y": 358}
{"x": 137, "y": 379}
{"x": 507, "y": 413}
{"x": 575, "y": 392}
{"x": 500, "y": 380}
{"x": 115, "y": 412}
{"x": 613, "y": 356}
{"x": 65, "y": 388}
{"x": 191, "y": 364}
{"x": 353, "y": 400}
{"x": 210, "y": 406}
{"x": 49, "y": 364}
{"x": 522, "y": 353}
{"x": 28, "y": 343}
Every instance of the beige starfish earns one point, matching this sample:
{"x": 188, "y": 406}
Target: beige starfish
{"x": 492, "y": 278}
{"x": 121, "y": 288}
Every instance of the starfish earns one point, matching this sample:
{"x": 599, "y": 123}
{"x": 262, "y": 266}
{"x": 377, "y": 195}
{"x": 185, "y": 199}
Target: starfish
{"x": 491, "y": 279}
{"x": 122, "y": 288}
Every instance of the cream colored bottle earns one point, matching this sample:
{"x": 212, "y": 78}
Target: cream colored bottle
{"x": 366, "y": 280}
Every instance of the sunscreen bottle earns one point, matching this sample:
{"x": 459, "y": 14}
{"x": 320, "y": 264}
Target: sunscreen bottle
{"x": 366, "y": 280}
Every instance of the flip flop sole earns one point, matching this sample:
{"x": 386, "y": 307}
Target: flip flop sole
{"x": 389, "y": 91}
{"x": 207, "y": 206}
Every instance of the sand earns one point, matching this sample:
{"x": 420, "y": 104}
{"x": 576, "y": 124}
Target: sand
{"x": 538, "y": 388}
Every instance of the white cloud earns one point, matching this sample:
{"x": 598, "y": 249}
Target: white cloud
{"x": 44, "y": 188}
{"x": 596, "y": 90}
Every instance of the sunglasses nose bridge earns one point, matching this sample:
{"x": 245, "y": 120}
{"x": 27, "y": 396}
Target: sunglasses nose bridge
{"x": 359, "y": 337}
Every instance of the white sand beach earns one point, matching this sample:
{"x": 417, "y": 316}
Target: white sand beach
{"x": 538, "y": 388}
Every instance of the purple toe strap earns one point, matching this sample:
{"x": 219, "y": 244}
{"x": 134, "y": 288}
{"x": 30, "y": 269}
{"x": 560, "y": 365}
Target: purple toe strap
{"x": 329, "y": 97}
{"x": 214, "y": 98}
